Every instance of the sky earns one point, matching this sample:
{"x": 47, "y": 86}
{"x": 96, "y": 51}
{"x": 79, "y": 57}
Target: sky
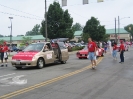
{"x": 27, "y": 13}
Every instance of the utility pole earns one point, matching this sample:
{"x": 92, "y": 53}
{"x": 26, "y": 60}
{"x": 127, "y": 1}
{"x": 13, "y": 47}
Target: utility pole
{"x": 11, "y": 31}
{"x": 46, "y": 34}
{"x": 115, "y": 32}
{"x": 118, "y": 29}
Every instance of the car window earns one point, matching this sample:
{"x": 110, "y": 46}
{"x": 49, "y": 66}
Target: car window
{"x": 85, "y": 48}
{"x": 34, "y": 47}
{"x": 61, "y": 45}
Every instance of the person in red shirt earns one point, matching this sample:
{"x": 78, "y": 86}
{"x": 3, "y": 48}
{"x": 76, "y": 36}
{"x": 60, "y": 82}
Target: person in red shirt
{"x": 92, "y": 52}
{"x": 4, "y": 55}
{"x": 114, "y": 54}
{"x": 122, "y": 49}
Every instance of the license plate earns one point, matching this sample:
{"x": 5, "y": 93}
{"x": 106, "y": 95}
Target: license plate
{"x": 18, "y": 62}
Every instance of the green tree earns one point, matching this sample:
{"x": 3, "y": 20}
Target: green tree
{"x": 85, "y": 37}
{"x": 127, "y": 28}
{"x": 1, "y": 35}
{"x": 95, "y": 30}
{"x": 77, "y": 27}
{"x": 1, "y": 41}
{"x": 59, "y": 23}
{"x": 34, "y": 31}
{"x": 26, "y": 40}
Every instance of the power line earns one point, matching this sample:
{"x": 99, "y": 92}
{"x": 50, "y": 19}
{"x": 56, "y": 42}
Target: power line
{"x": 19, "y": 10}
{"x": 20, "y": 15}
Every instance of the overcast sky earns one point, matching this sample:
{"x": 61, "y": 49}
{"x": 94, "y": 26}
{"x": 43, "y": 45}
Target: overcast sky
{"x": 32, "y": 12}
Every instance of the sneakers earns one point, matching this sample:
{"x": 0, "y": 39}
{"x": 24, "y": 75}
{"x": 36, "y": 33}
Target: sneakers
{"x": 2, "y": 65}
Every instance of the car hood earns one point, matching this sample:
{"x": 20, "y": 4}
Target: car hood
{"x": 83, "y": 51}
{"x": 24, "y": 56}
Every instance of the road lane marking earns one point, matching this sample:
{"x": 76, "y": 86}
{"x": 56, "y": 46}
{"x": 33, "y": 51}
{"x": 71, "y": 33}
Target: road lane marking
{"x": 13, "y": 81}
{"x": 21, "y": 91}
{"x": 7, "y": 75}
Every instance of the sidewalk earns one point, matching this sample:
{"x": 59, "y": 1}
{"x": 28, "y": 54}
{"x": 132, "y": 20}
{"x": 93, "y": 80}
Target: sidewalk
{"x": 13, "y": 53}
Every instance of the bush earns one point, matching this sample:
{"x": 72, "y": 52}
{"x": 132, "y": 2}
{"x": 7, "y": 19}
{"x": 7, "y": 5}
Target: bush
{"x": 77, "y": 48}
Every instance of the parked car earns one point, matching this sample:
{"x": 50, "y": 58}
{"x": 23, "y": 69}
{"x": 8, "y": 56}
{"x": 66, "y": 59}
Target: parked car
{"x": 79, "y": 45}
{"x": 36, "y": 55}
{"x": 84, "y": 52}
{"x": 21, "y": 48}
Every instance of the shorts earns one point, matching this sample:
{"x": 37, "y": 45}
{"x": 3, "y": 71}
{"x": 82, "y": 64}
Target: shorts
{"x": 91, "y": 55}
{"x": 2, "y": 56}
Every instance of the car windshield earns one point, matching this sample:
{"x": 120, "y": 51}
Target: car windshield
{"x": 85, "y": 48}
{"x": 34, "y": 47}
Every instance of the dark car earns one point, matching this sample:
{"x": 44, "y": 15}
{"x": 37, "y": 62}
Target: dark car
{"x": 21, "y": 48}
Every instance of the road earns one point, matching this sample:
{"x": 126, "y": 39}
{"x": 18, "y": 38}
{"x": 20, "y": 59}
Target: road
{"x": 74, "y": 80}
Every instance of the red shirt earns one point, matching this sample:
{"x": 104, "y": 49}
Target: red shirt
{"x": 91, "y": 46}
{"x": 122, "y": 47}
{"x": 5, "y": 49}
{"x": 114, "y": 47}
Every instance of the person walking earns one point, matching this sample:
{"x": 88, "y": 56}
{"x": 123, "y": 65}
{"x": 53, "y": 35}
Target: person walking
{"x": 110, "y": 46}
{"x": 100, "y": 44}
{"x": 114, "y": 53}
{"x": 4, "y": 55}
{"x": 92, "y": 52}
{"x": 122, "y": 49}
{"x": 105, "y": 47}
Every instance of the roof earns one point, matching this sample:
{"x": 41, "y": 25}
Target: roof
{"x": 78, "y": 33}
{"x": 18, "y": 38}
{"x": 112, "y": 31}
{"x": 108, "y": 31}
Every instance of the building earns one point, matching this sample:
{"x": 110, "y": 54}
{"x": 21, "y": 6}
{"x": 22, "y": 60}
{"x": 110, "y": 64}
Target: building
{"x": 77, "y": 36}
{"x": 18, "y": 39}
{"x": 122, "y": 35}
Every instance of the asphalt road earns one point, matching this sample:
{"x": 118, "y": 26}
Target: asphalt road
{"x": 74, "y": 80}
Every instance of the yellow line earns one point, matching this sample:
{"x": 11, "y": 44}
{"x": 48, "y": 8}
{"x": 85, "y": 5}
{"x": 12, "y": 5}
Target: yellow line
{"x": 21, "y": 91}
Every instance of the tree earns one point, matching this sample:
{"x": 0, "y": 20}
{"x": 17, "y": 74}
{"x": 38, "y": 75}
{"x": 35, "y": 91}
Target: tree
{"x": 127, "y": 28}
{"x": 95, "y": 30}
{"x": 1, "y": 41}
{"x": 26, "y": 40}
{"x": 1, "y": 35}
{"x": 77, "y": 27}
{"x": 59, "y": 23}
{"x": 85, "y": 37}
{"x": 34, "y": 31}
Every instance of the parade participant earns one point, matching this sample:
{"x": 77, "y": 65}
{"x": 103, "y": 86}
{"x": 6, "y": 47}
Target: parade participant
{"x": 114, "y": 54}
{"x": 105, "y": 47}
{"x": 92, "y": 52}
{"x": 110, "y": 46}
{"x": 122, "y": 49}
{"x": 4, "y": 55}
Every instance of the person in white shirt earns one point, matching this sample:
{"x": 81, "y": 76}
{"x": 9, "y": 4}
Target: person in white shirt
{"x": 110, "y": 46}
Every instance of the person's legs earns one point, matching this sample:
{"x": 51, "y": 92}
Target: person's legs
{"x": 122, "y": 56}
{"x": 2, "y": 56}
{"x": 91, "y": 58}
{"x": 94, "y": 59}
{"x": 113, "y": 54}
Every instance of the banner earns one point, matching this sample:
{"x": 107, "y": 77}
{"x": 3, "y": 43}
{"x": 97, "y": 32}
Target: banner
{"x": 99, "y": 1}
{"x": 85, "y": 1}
{"x": 64, "y": 3}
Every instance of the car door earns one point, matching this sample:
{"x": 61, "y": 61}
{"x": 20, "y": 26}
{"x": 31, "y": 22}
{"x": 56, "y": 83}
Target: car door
{"x": 63, "y": 51}
{"x": 48, "y": 54}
